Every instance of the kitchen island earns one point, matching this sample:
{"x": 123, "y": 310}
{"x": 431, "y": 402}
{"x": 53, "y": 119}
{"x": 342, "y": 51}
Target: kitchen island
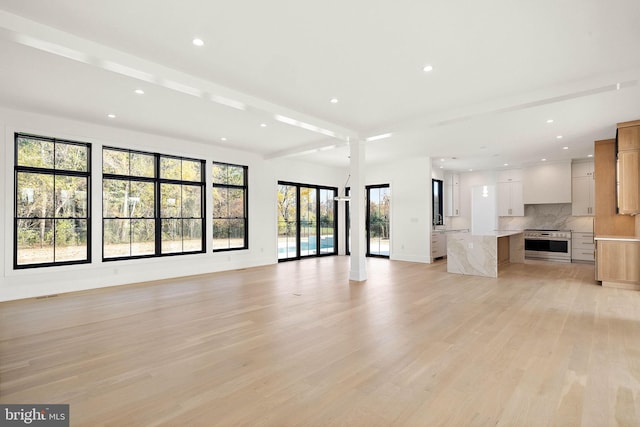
{"x": 482, "y": 255}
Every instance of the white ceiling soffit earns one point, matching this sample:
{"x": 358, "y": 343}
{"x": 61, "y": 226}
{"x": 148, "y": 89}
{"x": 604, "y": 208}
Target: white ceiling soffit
{"x": 28, "y": 33}
{"x": 500, "y": 71}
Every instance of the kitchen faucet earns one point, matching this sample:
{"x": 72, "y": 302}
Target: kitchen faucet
{"x": 437, "y": 220}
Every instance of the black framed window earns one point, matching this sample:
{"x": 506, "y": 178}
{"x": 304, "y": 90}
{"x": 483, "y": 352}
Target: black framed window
{"x": 378, "y": 226}
{"x": 347, "y": 222}
{"x": 230, "y": 218}
{"x": 152, "y": 204}
{"x": 437, "y": 205}
{"x": 307, "y": 223}
{"x": 52, "y": 222}
{"x": 287, "y": 221}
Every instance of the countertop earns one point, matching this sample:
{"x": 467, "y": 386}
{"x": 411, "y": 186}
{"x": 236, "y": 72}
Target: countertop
{"x": 503, "y": 233}
{"x": 450, "y": 230}
{"x": 618, "y": 238}
{"x": 497, "y": 233}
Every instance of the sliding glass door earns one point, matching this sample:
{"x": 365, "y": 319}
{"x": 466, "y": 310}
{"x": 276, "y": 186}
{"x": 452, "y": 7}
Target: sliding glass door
{"x": 327, "y": 221}
{"x": 306, "y": 221}
{"x": 287, "y": 221}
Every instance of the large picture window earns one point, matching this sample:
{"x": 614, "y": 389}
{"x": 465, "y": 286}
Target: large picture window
{"x": 152, "y": 204}
{"x": 306, "y": 221}
{"x": 230, "y": 220}
{"x": 52, "y": 202}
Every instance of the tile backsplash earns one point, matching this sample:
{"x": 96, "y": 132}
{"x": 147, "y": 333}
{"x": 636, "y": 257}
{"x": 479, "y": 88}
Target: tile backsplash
{"x": 552, "y": 216}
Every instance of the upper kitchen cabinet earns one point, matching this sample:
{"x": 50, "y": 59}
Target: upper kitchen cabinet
{"x": 547, "y": 183}
{"x": 452, "y": 194}
{"x": 629, "y": 168}
{"x": 607, "y": 221}
{"x": 582, "y": 189}
{"x": 509, "y": 189}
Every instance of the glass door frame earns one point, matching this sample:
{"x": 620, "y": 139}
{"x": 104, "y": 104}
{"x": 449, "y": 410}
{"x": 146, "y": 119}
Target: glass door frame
{"x": 317, "y": 188}
{"x": 368, "y": 189}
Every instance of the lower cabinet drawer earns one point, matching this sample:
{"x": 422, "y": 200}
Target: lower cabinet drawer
{"x": 583, "y": 247}
{"x": 583, "y": 255}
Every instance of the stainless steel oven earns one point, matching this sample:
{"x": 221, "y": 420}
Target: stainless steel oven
{"x": 550, "y": 245}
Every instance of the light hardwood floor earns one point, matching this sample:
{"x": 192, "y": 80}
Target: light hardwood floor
{"x": 297, "y": 344}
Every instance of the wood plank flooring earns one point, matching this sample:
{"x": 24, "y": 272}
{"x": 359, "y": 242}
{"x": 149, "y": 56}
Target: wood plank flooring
{"x": 296, "y": 344}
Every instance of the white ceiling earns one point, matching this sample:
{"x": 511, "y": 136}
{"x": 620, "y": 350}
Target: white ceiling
{"x": 501, "y": 69}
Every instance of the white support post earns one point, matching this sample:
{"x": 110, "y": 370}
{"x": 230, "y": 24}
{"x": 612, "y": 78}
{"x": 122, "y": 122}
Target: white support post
{"x": 358, "y": 270}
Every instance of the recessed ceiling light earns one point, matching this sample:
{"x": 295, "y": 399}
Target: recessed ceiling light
{"x": 223, "y": 139}
{"x": 111, "y": 116}
{"x": 198, "y": 42}
{"x": 139, "y": 91}
{"x": 543, "y": 160}
{"x": 441, "y": 167}
{"x": 550, "y": 121}
{"x": 427, "y": 68}
{"x": 559, "y": 137}
{"x": 470, "y": 170}
{"x": 590, "y": 155}
{"x": 334, "y": 100}
{"x": 565, "y": 148}
{"x": 263, "y": 125}
{"x": 506, "y": 164}
{"x": 442, "y": 160}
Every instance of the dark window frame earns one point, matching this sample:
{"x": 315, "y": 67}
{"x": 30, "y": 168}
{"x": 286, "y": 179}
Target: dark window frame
{"x": 318, "y": 253}
{"x": 54, "y": 172}
{"x": 368, "y": 189}
{"x": 245, "y": 189}
{"x": 437, "y": 205}
{"x": 347, "y": 222}
{"x": 157, "y": 182}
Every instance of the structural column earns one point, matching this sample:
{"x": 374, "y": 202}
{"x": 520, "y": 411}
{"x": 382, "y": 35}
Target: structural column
{"x": 358, "y": 270}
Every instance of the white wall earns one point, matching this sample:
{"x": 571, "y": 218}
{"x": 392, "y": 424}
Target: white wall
{"x": 410, "y": 182}
{"x": 410, "y": 186}
{"x": 15, "y": 284}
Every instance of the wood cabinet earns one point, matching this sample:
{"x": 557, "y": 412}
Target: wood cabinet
{"x": 618, "y": 263}
{"x": 629, "y": 136}
{"x": 452, "y": 194}
{"x": 629, "y": 168}
{"x": 582, "y": 189}
{"x": 509, "y": 189}
{"x": 629, "y": 182}
{"x": 607, "y": 221}
{"x": 582, "y": 247}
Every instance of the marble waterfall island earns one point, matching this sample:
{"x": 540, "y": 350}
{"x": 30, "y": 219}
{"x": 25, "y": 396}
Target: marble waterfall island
{"x": 482, "y": 255}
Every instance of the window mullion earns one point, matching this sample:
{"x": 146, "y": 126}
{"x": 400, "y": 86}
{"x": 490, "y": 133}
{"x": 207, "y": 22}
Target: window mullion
{"x": 157, "y": 207}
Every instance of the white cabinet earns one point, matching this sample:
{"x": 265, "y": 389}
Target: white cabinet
{"x": 582, "y": 169}
{"x": 582, "y": 189}
{"x": 452, "y": 194}
{"x": 438, "y": 245}
{"x": 509, "y": 189}
{"x": 510, "y": 175}
{"x": 582, "y": 247}
{"x": 547, "y": 183}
